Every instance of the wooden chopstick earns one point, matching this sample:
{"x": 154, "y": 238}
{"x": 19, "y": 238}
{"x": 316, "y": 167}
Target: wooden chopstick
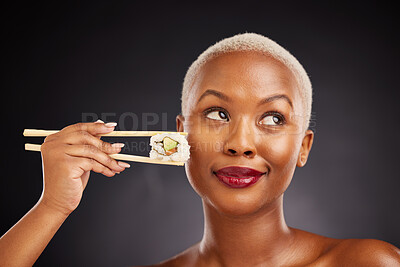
{"x": 39, "y": 133}
{"x": 35, "y": 147}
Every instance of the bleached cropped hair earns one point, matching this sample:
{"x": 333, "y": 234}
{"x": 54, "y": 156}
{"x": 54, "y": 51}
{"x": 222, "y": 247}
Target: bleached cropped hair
{"x": 257, "y": 43}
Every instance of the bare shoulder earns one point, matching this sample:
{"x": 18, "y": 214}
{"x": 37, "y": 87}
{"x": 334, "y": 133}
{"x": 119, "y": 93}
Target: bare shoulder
{"x": 365, "y": 252}
{"x": 324, "y": 251}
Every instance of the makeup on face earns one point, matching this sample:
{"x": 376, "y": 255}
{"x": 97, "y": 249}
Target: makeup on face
{"x": 240, "y": 124}
{"x": 238, "y": 177}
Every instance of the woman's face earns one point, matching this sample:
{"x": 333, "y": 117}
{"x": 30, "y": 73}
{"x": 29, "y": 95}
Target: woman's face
{"x": 231, "y": 122}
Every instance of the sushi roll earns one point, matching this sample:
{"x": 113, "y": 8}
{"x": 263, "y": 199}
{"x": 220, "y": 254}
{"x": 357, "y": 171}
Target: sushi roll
{"x": 169, "y": 147}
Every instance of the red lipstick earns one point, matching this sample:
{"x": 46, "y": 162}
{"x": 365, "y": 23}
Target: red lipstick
{"x": 238, "y": 177}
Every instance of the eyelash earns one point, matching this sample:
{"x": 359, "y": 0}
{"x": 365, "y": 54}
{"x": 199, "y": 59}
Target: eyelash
{"x": 269, "y": 113}
{"x": 211, "y": 109}
{"x": 277, "y": 114}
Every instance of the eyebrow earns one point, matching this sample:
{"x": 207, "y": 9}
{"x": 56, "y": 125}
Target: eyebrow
{"x": 227, "y": 98}
{"x": 276, "y": 97}
{"x": 214, "y": 93}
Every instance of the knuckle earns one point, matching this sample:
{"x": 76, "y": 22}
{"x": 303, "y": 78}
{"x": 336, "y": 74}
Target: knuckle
{"x": 105, "y": 146}
{"x": 78, "y": 126}
{"x": 48, "y": 138}
{"x": 84, "y": 137}
{"x": 83, "y": 133}
{"x": 103, "y": 169}
{"x": 90, "y": 149}
{"x": 109, "y": 161}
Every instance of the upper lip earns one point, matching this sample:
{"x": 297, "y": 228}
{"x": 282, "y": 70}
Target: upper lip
{"x": 237, "y": 171}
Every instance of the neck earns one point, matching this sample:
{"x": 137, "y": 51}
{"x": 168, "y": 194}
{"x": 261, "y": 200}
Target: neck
{"x": 248, "y": 239}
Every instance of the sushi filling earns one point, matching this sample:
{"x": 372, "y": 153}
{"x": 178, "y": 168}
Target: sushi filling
{"x": 170, "y": 146}
{"x": 173, "y": 147}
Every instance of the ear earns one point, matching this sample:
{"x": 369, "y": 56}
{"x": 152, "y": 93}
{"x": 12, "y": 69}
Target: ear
{"x": 179, "y": 123}
{"x": 305, "y": 148}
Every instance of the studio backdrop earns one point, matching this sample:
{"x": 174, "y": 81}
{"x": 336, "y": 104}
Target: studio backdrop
{"x": 124, "y": 62}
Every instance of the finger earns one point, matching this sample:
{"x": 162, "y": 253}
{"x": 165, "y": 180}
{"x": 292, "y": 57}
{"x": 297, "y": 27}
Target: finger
{"x": 51, "y": 137}
{"x": 92, "y": 152}
{"x": 98, "y": 121}
{"x": 85, "y": 138}
{"x": 92, "y": 165}
{"x": 94, "y": 128}
{"x": 107, "y": 127}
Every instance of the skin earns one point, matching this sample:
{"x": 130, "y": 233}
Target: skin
{"x": 246, "y": 227}
{"x": 68, "y": 157}
{"x": 243, "y": 227}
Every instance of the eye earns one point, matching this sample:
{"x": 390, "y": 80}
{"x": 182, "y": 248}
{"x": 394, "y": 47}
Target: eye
{"x": 216, "y": 114}
{"x": 273, "y": 119}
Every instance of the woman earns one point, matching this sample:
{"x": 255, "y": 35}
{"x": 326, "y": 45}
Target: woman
{"x": 246, "y": 105}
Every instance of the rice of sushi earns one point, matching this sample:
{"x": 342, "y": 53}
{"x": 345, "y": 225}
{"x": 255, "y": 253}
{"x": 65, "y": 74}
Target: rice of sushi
{"x": 157, "y": 151}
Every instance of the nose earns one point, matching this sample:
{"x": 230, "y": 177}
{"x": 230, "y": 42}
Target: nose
{"x": 240, "y": 140}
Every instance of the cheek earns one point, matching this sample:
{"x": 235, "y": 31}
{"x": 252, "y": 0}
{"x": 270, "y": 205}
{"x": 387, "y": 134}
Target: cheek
{"x": 205, "y": 145}
{"x": 204, "y": 140}
{"x": 280, "y": 152}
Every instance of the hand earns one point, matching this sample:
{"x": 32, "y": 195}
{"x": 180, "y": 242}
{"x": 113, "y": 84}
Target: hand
{"x": 68, "y": 157}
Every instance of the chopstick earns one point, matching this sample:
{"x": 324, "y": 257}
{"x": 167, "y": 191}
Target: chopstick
{"x": 35, "y": 147}
{"x": 39, "y": 133}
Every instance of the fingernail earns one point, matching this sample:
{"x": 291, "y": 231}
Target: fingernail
{"x": 124, "y": 164}
{"x": 118, "y": 145}
{"x": 99, "y": 121}
{"x": 110, "y": 124}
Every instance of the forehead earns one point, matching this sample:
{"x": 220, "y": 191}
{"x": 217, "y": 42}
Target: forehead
{"x": 244, "y": 75}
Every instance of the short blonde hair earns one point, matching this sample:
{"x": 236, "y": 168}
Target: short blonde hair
{"x": 257, "y": 43}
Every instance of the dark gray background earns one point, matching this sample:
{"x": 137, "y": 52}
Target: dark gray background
{"x": 67, "y": 59}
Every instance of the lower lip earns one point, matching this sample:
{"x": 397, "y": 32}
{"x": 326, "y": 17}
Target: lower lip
{"x": 238, "y": 182}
